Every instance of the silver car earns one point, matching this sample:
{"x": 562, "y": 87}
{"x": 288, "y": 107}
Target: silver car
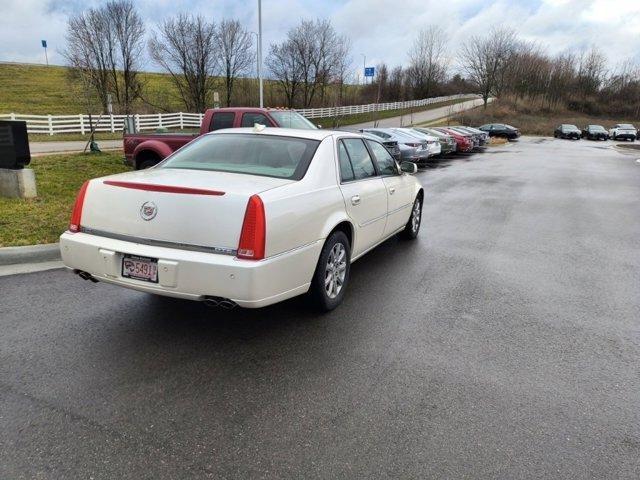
{"x": 433, "y": 144}
{"x": 412, "y": 149}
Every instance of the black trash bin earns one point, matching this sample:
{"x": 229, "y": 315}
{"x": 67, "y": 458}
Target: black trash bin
{"x": 14, "y": 145}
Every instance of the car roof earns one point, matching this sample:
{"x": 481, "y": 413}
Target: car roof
{"x": 311, "y": 134}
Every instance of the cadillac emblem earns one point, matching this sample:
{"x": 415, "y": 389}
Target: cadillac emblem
{"x": 148, "y": 211}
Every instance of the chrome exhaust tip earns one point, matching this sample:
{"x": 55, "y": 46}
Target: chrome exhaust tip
{"x": 220, "y": 302}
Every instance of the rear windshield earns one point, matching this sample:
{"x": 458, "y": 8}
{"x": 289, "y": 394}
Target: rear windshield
{"x": 626, "y": 125}
{"x": 252, "y": 154}
{"x": 289, "y": 119}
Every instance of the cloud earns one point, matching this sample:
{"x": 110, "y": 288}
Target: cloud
{"x": 383, "y": 30}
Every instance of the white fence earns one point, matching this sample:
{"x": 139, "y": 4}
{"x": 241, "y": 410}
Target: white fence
{"x": 55, "y": 124}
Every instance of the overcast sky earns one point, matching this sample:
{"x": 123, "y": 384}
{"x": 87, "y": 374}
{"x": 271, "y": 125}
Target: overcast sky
{"x": 380, "y": 29}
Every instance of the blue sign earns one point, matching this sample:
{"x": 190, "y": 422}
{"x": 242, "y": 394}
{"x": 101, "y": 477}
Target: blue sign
{"x": 369, "y": 71}
{"x": 44, "y": 43}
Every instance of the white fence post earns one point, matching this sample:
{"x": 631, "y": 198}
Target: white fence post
{"x": 113, "y": 127}
{"x": 50, "y": 126}
{"x": 181, "y": 121}
{"x": 159, "y": 120}
{"x": 81, "y": 117}
{"x": 13, "y": 116}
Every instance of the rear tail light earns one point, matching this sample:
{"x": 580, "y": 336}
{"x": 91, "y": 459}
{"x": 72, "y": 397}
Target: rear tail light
{"x": 76, "y": 215}
{"x": 253, "y": 235}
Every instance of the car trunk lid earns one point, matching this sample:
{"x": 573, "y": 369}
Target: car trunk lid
{"x": 187, "y": 208}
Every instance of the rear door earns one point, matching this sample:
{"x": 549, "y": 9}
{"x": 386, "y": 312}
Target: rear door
{"x": 364, "y": 192}
{"x": 399, "y": 188}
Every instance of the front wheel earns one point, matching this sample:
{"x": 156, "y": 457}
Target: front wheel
{"x": 412, "y": 227}
{"x": 332, "y": 272}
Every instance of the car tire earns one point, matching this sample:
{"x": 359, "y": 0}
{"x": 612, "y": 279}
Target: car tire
{"x": 412, "y": 228}
{"x": 148, "y": 164}
{"x": 331, "y": 277}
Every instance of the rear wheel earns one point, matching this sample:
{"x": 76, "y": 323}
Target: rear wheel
{"x": 332, "y": 272}
{"x": 412, "y": 227}
{"x": 147, "y": 160}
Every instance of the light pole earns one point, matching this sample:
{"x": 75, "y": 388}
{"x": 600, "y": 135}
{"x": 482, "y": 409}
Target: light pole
{"x": 260, "y": 52}
{"x": 364, "y": 66}
{"x": 257, "y": 56}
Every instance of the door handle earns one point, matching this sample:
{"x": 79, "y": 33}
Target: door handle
{"x": 392, "y": 190}
{"x": 355, "y": 200}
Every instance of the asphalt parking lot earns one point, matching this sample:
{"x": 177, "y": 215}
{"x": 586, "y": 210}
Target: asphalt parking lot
{"x": 504, "y": 343}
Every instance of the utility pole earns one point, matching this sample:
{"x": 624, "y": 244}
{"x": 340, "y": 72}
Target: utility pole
{"x": 260, "y": 52}
{"x": 364, "y": 66}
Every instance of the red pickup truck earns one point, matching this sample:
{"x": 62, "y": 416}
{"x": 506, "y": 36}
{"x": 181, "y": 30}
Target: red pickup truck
{"x": 145, "y": 150}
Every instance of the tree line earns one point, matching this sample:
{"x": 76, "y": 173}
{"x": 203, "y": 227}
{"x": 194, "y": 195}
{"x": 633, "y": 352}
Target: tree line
{"x": 312, "y": 66}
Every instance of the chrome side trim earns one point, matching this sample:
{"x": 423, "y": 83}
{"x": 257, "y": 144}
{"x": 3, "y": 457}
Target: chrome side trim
{"x": 400, "y": 208}
{"x": 160, "y": 243}
{"x": 372, "y": 220}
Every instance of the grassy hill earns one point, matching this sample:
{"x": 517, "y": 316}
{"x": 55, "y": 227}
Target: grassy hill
{"x": 41, "y": 90}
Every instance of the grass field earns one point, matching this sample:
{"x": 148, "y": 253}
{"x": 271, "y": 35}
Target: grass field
{"x": 58, "y": 177}
{"x": 530, "y": 119}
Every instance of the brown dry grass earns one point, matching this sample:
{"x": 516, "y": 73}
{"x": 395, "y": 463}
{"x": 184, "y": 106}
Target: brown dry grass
{"x": 530, "y": 119}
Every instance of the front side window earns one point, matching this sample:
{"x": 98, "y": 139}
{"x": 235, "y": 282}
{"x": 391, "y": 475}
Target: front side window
{"x": 252, "y": 154}
{"x": 361, "y": 161}
{"x": 249, "y": 119}
{"x": 222, "y": 120}
{"x": 386, "y": 163}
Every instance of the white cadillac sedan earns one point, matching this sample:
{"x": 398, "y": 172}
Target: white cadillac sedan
{"x": 245, "y": 217}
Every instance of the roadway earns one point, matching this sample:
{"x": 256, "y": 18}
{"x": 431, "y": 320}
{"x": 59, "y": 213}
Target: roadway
{"x": 503, "y": 343}
{"x": 41, "y": 148}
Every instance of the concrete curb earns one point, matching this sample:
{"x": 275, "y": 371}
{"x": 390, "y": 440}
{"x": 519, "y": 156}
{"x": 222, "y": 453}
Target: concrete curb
{"x": 30, "y": 254}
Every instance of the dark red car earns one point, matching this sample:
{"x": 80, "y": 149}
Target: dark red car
{"x": 464, "y": 142}
{"x": 143, "y": 150}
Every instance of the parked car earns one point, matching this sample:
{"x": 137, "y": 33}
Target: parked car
{"x": 595, "y": 132}
{"x": 464, "y": 143}
{"x": 143, "y": 150}
{"x": 474, "y": 136}
{"x": 411, "y": 149}
{"x": 482, "y": 136}
{"x": 623, "y": 131}
{"x": 567, "y": 131}
{"x": 433, "y": 143}
{"x": 246, "y": 217}
{"x": 500, "y": 130}
{"x": 447, "y": 142}
{"x": 391, "y": 145}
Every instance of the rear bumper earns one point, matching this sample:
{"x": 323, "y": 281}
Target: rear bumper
{"x": 194, "y": 275}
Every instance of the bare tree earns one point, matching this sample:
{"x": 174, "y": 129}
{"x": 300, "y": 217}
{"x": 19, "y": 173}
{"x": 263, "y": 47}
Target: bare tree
{"x": 185, "y": 47}
{"x": 312, "y": 56}
{"x": 104, "y": 46}
{"x": 282, "y": 62}
{"x": 485, "y": 60}
{"x": 234, "y": 45}
{"x": 128, "y": 29}
{"x": 427, "y": 67}
{"x": 87, "y": 51}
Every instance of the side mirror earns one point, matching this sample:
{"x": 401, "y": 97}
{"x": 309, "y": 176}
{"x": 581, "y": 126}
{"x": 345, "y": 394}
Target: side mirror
{"x": 319, "y": 126}
{"x": 408, "y": 167}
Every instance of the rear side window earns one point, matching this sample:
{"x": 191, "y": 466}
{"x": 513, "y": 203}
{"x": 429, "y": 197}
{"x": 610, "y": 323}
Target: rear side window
{"x": 346, "y": 171}
{"x": 251, "y": 154}
{"x": 360, "y": 159}
{"x": 249, "y": 119}
{"x": 386, "y": 163}
{"x": 222, "y": 120}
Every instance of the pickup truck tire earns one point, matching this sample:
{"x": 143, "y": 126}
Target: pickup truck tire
{"x": 146, "y": 160}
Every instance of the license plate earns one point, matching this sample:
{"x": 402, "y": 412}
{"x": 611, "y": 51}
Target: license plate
{"x": 140, "y": 268}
